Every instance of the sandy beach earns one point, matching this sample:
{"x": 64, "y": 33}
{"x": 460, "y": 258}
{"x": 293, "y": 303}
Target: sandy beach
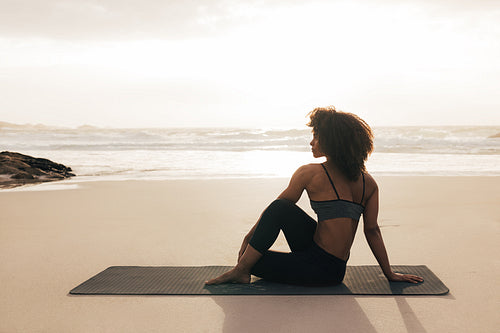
{"x": 55, "y": 236}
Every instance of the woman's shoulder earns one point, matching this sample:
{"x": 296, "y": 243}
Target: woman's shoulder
{"x": 307, "y": 171}
{"x": 370, "y": 184}
{"x": 369, "y": 179}
{"x": 310, "y": 168}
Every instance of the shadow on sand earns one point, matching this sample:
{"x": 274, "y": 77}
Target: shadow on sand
{"x": 307, "y": 314}
{"x": 293, "y": 314}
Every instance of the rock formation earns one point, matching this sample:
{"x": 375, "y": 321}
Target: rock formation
{"x": 18, "y": 169}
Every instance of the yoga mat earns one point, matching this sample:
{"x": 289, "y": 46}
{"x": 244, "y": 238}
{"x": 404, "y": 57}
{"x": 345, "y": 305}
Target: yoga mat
{"x": 189, "y": 280}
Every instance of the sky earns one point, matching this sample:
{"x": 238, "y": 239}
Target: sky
{"x": 230, "y": 63}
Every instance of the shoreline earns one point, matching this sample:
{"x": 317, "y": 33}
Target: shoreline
{"x": 448, "y": 223}
{"x": 76, "y": 182}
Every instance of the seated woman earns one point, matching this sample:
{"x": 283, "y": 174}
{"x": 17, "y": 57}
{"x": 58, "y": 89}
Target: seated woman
{"x": 340, "y": 190}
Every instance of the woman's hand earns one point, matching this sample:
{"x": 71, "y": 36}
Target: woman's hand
{"x": 397, "y": 277}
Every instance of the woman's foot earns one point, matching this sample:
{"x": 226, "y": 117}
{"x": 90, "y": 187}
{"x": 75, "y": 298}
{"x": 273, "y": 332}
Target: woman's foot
{"x": 233, "y": 276}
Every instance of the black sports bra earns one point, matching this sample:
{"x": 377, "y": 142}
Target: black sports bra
{"x": 331, "y": 209}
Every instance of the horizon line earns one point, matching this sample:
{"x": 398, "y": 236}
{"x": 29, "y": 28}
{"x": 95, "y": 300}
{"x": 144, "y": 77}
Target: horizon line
{"x": 11, "y": 125}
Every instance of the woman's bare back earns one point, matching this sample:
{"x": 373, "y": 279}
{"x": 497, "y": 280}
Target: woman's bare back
{"x": 336, "y": 235}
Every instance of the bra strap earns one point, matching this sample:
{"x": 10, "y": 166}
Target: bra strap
{"x": 363, "y": 196}
{"x": 331, "y": 182}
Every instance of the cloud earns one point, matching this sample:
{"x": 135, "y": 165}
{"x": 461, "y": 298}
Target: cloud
{"x": 125, "y": 19}
{"x": 111, "y": 19}
{"x": 167, "y": 19}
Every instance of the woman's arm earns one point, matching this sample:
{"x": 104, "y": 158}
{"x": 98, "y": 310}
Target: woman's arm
{"x": 372, "y": 232}
{"x": 297, "y": 184}
{"x": 293, "y": 193}
{"x": 294, "y": 190}
{"x": 376, "y": 243}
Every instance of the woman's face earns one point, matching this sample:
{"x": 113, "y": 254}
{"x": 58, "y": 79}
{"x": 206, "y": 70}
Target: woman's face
{"x": 316, "y": 150}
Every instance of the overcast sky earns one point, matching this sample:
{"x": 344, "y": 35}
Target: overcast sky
{"x": 124, "y": 63}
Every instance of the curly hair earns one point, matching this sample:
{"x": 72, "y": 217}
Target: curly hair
{"x": 344, "y": 137}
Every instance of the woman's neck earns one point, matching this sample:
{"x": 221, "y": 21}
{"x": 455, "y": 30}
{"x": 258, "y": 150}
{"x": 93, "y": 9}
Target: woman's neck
{"x": 332, "y": 166}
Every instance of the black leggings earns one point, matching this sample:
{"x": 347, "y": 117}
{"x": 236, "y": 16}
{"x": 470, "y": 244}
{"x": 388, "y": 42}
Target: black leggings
{"x": 307, "y": 263}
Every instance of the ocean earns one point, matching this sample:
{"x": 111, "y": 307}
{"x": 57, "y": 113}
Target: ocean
{"x": 193, "y": 153}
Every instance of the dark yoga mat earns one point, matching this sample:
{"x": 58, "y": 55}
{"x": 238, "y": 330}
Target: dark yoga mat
{"x": 187, "y": 280}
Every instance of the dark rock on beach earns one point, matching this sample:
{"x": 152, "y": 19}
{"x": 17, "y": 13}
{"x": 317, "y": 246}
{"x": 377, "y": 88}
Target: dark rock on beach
{"x": 18, "y": 169}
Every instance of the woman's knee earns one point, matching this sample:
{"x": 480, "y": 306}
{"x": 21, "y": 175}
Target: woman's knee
{"x": 280, "y": 210}
{"x": 282, "y": 205}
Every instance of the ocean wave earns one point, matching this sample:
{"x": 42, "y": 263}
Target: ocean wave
{"x": 430, "y": 140}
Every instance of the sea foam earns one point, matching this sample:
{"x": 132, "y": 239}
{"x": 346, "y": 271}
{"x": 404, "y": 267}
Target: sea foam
{"x": 179, "y": 153}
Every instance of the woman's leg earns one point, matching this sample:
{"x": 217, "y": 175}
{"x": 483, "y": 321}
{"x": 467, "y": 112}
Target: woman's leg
{"x": 281, "y": 214}
{"x": 312, "y": 266}
{"x": 241, "y": 272}
{"x": 307, "y": 263}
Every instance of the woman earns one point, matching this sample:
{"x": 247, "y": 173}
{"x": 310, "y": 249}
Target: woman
{"x": 340, "y": 190}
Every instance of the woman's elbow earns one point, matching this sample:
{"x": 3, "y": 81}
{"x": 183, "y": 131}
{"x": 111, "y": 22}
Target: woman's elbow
{"x": 289, "y": 197}
{"x": 371, "y": 231}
